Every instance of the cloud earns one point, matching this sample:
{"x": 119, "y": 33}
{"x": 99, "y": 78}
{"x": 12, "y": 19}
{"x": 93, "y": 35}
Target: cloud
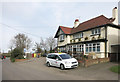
{"x": 26, "y": 10}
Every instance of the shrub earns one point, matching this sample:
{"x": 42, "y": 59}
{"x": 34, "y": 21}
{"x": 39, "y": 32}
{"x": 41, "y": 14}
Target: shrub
{"x": 17, "y": 53}
{"x": 85, "y": 56}
{"x": 20, "y": 57}
{"x": 12, "y": 59}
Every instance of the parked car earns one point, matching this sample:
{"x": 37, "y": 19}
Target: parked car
{"x": 44, "y": 55}
{"x": 61, "y": 60}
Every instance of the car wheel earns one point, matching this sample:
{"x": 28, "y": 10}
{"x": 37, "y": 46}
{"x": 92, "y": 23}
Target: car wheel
{"x": 62, "y": 67}
{"x": 48, "y": 64}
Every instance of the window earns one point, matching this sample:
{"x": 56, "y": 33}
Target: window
{"x": 96, "y": 31}
{"x": 57, "y": 57}
{"x": 51, "y": 56}
{"x": 86, "y": 47}
{"x": 79, "y": 35}
{"x": 92, "y": 32}
{"x": 75, "y": 36}
{"x": 93, "y": 47}
{"x": 98, "y": 47}
{"x": 99, "y": 30}
{"x": 79, "y": 48}
{"x": 62, "y": 49}
{"x": 65, "y": 56}
{"x": 90, "y": 47}
{"x": 70, "y": 48}
{"x": 82, "y": 48}
{"x": 61, "y": 37}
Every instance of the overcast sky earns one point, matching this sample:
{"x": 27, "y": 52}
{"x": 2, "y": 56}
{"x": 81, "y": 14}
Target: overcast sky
{"x": 43, "y": 18}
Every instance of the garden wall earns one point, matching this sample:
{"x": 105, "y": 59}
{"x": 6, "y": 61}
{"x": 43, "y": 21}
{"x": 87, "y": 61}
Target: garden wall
{"x": 90, "y": 62}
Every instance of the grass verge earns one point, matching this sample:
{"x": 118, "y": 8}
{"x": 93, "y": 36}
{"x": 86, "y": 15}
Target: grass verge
{"x": 115, "y": 69}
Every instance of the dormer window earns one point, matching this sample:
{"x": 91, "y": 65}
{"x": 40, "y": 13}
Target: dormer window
{"x": 96, "y": 31}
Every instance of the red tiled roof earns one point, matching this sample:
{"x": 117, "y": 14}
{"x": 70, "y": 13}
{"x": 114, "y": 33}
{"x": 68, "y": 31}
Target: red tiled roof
{"x": 98, "y": 21}
{"x": 66, "y": 30}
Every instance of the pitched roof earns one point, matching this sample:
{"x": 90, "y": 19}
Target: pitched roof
{"x": 98, "y": 21}
{"x": 66, "y": 30}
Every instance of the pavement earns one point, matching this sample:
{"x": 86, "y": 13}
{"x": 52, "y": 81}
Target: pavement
{"x": 35, "y": 69}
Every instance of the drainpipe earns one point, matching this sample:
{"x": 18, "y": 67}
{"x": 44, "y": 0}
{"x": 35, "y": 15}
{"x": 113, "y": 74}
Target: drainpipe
{"x": 105, "y": 41}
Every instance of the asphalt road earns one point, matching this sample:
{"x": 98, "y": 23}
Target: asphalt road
{"x": 35, "y": 69}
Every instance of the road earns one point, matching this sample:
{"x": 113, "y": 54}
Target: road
{"x": 35, "y": 69}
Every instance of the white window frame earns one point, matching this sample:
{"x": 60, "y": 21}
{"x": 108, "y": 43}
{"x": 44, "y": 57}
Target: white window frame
{"x": 90, "y": 45}
{"x": 78, "y": 35}
{"x": 96, "y": 31}
{"x": 80, "y": 48}
{"x": 61, "y": 37}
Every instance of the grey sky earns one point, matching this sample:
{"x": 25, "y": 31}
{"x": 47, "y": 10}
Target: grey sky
{"x": 43, "y": 18}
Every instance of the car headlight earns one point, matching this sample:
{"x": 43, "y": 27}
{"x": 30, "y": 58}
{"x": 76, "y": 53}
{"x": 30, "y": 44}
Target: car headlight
{"x": 67, "y": 62}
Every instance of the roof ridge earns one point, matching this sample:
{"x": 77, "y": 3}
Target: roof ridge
{"x": 65, "y": 27}
{"x": 92, "y": 19}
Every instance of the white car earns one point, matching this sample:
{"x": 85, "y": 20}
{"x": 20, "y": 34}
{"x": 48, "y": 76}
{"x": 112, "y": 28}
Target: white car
{"x": 61, "y": 60}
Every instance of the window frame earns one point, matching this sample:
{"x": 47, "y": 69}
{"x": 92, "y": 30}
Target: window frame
{"x": 92, "y": 47}
{"x": 96, "y": 31}
{"x": 62, "y": 37}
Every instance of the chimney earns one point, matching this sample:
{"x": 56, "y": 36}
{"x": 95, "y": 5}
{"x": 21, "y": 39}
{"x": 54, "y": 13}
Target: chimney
{"x": 115, "y": 15}
{"x": 76, "y": 23}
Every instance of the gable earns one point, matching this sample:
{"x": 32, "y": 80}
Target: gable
{"x": 59, "y": 32}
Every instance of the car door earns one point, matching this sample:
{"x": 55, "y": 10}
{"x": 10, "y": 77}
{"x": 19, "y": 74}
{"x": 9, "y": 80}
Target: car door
{"x": 53, "y": 61}
{"x": 58, "y": 61}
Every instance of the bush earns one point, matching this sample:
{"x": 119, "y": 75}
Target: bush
{"x": 85, "y": 56}
{"x": 17, "y": 53}
{"x": 12, "y": 59}
{"x": 20, "y": 57}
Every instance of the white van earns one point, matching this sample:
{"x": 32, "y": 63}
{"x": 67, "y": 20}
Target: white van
{"x": 61, "y": 60}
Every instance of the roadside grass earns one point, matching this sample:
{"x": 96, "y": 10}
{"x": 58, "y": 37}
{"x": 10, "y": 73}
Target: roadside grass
{"x": 115, "y": 69}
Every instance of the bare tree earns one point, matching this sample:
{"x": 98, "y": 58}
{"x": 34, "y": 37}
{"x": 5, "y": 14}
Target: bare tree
{"x": 21, "y": 41}
{"x": 41, "y": 45}
{"x": 51, "y": 42}
{"x": 11, "y": 45}
{"x": 38, "y": 47}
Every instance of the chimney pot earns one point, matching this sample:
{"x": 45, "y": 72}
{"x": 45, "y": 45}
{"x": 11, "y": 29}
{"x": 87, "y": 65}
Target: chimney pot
{"x": 76, "y": 23}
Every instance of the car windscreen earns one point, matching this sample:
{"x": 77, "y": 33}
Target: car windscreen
{"x": 65, "y": 56}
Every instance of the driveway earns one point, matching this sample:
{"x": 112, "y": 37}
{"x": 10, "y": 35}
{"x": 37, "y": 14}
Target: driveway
{"x": 35, "y": 69}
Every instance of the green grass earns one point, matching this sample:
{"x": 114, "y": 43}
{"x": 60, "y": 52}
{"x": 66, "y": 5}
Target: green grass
{"x": 115, "y": 69}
